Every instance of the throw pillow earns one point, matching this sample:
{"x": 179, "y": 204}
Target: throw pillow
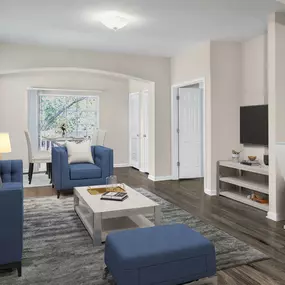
{"x": 79, "y": 153}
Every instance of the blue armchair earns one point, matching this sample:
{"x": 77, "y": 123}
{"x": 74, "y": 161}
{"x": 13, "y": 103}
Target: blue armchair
{"x": 11, "y": 215}
{"x": 67, "y": 176}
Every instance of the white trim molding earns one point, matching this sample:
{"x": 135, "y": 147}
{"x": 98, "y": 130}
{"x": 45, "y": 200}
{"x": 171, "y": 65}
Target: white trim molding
{"x": 159, "y": 178}
{"x": 275, "y": 216}
{"x": 210, "y": 192}
{"x": 71, "y": 69}
{"x": 119, "y": 165}
{"x": 64, "y": 91}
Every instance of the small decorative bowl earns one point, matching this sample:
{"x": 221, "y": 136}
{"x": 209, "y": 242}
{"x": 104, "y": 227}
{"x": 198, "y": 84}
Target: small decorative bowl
{"x": 252, "y": 157}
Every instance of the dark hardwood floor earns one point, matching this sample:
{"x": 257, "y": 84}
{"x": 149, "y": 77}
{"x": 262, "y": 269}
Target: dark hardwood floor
{"x": 244, "y": 222}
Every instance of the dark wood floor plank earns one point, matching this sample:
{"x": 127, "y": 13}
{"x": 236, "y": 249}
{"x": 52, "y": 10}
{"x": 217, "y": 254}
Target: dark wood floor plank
{"x": 272, "y": 267}
{"x": 246, "y": 275}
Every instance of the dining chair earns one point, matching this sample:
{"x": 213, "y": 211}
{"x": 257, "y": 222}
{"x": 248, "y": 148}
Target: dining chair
{"x": 37, "y": 157}
{"x": 98, "y": 137}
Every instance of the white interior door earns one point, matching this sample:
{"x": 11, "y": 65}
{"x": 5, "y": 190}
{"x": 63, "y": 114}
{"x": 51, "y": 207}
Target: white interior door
{"x": 134, "y": 122}
{"x": 144, "y": 131}
{"x": 190, "y": 133}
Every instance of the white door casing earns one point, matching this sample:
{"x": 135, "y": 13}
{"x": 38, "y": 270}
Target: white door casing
{"x": 134, "y": 129}
{"x": 190, "y": 133}
{"x": 144, "y": 131}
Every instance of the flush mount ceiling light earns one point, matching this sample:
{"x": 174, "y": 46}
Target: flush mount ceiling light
{"x": 114, "y": 21}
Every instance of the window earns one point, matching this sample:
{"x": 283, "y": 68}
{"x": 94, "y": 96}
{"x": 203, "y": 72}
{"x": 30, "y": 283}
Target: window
{"x": 80, "y": 114}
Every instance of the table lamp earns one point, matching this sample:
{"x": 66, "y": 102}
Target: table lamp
{"x": 5, "y": 147}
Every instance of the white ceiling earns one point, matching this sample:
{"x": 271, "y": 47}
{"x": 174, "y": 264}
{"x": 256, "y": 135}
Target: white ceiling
{"x": 157, "y": 27}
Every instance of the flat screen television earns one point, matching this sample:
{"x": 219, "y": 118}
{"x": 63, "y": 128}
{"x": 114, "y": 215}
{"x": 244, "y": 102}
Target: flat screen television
{"x": 254, "y": 125}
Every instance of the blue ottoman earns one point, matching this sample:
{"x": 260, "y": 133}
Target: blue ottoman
{"x": 168, "y": 255}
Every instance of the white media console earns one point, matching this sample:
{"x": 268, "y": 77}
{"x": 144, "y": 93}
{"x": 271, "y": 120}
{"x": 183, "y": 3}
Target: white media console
{"x": 236, "y": 181}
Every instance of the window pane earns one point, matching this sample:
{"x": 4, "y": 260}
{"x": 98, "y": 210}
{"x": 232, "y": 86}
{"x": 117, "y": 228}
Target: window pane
{"x": 72, "y": 101}
{"x": 82, "y": 103}
{"x": 78, "y": 113}
{"x": 91, "y": 104}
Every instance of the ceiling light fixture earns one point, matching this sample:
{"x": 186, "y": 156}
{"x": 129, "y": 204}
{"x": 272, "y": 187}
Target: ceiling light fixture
{"x": 114, "y": 21}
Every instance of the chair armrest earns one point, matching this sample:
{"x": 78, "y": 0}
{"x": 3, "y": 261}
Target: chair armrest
{"x": 11, "y": 222}
{"x": 103, "y": 158}
{"x": 59, "y": 166}
{"x": 11, "y": 171}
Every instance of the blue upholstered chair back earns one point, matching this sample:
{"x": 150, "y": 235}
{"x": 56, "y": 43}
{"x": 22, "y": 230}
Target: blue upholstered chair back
{"x": 11, "y": 212}
{"x": 11, "y": 171}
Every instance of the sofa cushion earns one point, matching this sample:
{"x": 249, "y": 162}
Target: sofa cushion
{"x": 84, "y": 171}
{"x": 79, "y": 152}
{"x": 11, "y": 186}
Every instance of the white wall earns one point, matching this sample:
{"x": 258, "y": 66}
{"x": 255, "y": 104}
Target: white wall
{"x": 225, "y": 97}
{"x": 156, "y": 69}
{"x": 138, "y": 85}
{"x": 220, "y": 64}
{"x": 276, "y": 100}
{"x": 192, "y": 64}
{"x": 113, "y": 104}
{"x": 254, "y": 82}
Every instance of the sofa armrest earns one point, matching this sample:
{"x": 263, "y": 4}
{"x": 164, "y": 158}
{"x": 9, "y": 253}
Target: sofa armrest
{"x": 59, "y": 166}
{"x": 11, "y": 171}
{"x": 103, "y": 158}
{"x": 11, "y": 222}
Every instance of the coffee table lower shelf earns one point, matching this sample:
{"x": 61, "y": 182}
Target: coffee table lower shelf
{"x": 99, "y": 230}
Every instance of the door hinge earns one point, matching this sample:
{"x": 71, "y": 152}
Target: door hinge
{"x": 177, "y": 97}
{"x": 178, "y": 131}
{"x": 178, "y": 163}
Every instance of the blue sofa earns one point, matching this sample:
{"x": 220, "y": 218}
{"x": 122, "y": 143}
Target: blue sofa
{"x": 11, "y": 215}
{"x": 67, "y": 176}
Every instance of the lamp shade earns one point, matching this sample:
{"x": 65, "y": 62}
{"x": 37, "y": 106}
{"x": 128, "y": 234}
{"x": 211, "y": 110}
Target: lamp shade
{"x": 5, "y": 145}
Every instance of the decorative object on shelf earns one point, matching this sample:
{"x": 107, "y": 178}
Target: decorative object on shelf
{"x": 245, "y": 162}
{"x": 111, "y": 183}
{"x": 252, "y": 157}
{"x": 259, "y": 198}
{"x": 117, "y": 188}
{"x": 102, "y": 190}
{"x": 235, "y": 155}
{"x": 266, "y": 159}
{"x": 96, "y": 191}
{"x": 114, "y": 196}
{"x": 63, "y": 129}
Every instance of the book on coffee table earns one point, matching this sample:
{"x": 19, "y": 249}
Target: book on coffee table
{"x": 115, "y": 196}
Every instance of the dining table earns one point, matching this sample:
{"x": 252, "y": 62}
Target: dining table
{"x": 60, "y": 140}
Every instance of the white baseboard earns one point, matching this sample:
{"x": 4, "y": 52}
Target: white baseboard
{"x": 159, "y": 178}
{"x": 210, "y": 192}
{"x": 275, "y": 216}
{"x": 117, "y": 165}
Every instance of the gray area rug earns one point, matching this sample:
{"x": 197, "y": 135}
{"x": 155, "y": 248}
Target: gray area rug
{"x": 58, "y": 249}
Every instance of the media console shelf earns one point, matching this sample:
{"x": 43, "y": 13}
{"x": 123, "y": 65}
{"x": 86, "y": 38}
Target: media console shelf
{"x": 237, "y": 181}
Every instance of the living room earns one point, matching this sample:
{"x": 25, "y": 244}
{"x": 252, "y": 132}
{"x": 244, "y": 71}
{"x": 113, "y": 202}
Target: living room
{"x": 238, "y": 63}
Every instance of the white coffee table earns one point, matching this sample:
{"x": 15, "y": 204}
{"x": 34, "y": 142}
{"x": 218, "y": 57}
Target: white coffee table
{"x": 101, "y": 217}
